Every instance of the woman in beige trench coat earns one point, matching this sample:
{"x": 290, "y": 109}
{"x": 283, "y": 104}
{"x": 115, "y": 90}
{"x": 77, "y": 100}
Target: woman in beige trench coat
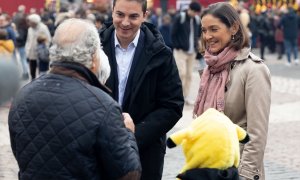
{"x": 235, "y": 82}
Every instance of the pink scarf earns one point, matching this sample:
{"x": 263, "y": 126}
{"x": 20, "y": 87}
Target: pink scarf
{"x": 213, "y": 80}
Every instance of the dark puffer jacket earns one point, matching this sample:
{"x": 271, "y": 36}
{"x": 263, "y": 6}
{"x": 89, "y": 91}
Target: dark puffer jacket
{"x": 64, "y": 128}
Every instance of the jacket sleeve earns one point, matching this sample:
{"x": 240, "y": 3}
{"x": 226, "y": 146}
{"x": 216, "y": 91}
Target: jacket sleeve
{"x": 169, "y": 106}
{"x": 174, "y": 30}
{"x": 257, "y": 101}
{"x": 11, "y": 125}
{"x": 116, "y": 147}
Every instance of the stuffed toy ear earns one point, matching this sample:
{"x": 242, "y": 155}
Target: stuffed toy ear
{"x": 170, "y": 143}
{"x": 176, "y": 138}
{"x": 242, "y": 135}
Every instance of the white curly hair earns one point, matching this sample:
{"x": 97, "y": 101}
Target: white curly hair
{"x": 75, "y": 40}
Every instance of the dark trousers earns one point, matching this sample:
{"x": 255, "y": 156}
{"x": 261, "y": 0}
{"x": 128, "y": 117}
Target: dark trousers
{"x": 32, "y": 67}
{"x": 152, "y": 160}
{"x": 263, "y": 45}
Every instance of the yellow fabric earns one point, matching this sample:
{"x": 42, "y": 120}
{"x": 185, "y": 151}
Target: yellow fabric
{"x": 211, "y": 141}
{"x": 6, "y": 47}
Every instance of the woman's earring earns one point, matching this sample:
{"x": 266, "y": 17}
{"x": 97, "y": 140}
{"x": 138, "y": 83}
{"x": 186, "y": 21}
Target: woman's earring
{"x": 232, "y": 37}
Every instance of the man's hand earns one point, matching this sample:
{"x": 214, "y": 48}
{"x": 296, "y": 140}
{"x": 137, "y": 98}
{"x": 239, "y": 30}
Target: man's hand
{"x": 128, "y": 122}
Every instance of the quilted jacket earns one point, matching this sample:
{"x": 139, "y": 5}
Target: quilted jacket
{"x": 63, "y": 128}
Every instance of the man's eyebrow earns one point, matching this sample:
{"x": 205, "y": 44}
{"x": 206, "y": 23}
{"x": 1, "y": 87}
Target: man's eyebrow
{"x": 134, "y": 14}
{"x": 119, "y": 12}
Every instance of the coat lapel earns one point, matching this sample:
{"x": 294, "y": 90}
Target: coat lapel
{"x": 136, "y": 59}
{"x": 113, "y": 80}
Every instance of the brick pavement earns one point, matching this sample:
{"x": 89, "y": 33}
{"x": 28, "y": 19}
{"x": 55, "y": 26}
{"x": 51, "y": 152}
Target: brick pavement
{"x": 282, "y": 160}
{"x": 8, "y": 164}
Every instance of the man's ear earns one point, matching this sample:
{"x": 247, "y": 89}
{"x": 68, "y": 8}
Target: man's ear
{"x": 94, "y": 68}
{"x": 146, "y": 15}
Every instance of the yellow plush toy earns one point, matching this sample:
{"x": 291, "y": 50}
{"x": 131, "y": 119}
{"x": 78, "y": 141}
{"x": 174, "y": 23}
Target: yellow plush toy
{"x": 210, "y": 142}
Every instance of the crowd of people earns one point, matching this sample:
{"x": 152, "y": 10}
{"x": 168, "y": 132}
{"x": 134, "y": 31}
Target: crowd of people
{"x": 112, "y": 84}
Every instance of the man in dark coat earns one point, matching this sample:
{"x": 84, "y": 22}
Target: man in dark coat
{"x": 64, "y": 125}
{"x": 144, "y": 80}
{"x": 185, "y": 35}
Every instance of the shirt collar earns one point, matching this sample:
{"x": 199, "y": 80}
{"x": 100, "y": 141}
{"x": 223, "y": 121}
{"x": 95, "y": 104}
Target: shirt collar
{"x": 134, "y": 42}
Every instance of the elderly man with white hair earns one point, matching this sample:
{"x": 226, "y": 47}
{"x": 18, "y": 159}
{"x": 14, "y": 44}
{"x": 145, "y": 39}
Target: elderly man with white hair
{"x": 36, "y": 29}
{"x": 64, "y": 125}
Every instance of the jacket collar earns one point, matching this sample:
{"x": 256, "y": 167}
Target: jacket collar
{"x": 78, "y": 71}
{"x": 154, "y": 40}
{"x": 246, "y": 53}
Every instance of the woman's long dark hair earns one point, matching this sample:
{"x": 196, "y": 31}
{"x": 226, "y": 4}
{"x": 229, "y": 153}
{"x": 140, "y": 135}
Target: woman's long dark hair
{"x": 229, "y": 16}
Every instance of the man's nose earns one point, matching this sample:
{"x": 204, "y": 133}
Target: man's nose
{"x": 125, "y": 21}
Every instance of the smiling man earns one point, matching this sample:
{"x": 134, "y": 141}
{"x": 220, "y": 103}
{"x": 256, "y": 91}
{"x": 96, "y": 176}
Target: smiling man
{"x": 144, "y": 80}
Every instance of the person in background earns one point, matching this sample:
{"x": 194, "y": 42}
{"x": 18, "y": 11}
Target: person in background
{"x": 166, "y": 29}
{"x": 6, "y": 24}
{"x": 253, "y": 25}
{"x": 100, "y": 19}
{"x": 278, "y": 34}
{"x": 64, "y": 125}
{"x": 9, "y": 79}
{"x": 36, "y": 28}
{"x": 21, "y": 37}
{"x": 144, "y": 80}
{"x": 265, "y": 31}
{"x": 42, "y": 54}
{"x": 185, "y": 35}
{"x": 290, "y": 26}
{"x": 6, "y": 45}
{"x": 156, "y": 17}
{"x": 245, "y": 19}
{"x": 235, "y": 82}
{"x": 19, "y": 15}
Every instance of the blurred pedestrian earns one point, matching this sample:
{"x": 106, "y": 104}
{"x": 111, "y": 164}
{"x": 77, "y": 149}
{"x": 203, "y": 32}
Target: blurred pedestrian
{"x": 36, "y": 28}
{"x": 6, "y": 24}
{"x": 253, "y": 24}
{"x": 278, "y": 35}
{"x": 185, "y": 36}
{"x": 100, "y": 19}
{"x": 42, "y": 54}
{"x": 166, "y": 29}
{"x": 265, "y": 31}
{"x": 21, "y": 37}
{"x": 236, "y": 82}
{"x": 290, "y": 26}
{"x": 6, "y": 45}
{"x": 9, "y": 79}
{"x": 64, "y": 125}
{"x": 144, "y": 80}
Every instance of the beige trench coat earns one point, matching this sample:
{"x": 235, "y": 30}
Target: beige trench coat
{"x": 247, "y": 103}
